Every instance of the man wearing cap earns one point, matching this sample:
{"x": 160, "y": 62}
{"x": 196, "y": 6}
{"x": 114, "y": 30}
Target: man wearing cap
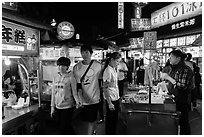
{"x": 179, "y": 82}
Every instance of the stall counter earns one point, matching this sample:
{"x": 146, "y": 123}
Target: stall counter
{"x": 22, "y": 121}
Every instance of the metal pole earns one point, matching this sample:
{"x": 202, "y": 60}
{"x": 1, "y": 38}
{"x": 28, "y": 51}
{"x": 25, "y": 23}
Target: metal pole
{"x": 39, "y": 73}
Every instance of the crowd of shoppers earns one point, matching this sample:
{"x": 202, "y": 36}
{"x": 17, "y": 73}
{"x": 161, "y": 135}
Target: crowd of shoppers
{"x": 91, "y": 84}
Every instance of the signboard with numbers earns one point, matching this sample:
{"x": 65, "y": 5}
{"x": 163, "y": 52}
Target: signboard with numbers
{"x": 150, "y": 40}
{"x": 19, "y": 40}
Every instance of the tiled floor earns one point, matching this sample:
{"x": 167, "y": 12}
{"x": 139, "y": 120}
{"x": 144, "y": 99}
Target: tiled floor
{"x": 195, "y": 119}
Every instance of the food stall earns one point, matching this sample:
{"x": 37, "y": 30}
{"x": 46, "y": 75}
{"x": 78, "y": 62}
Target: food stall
{"x": 149, "y": 110}
{"x": 21, "y": 75}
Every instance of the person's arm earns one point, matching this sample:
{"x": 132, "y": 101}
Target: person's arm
{"x": 107, "y": 96}
{"x": 74, "y": 91}
{"x": 53, "y": 99}
{"x": 165, "y": 76}
{"x": 78, "y": 84}
{"x": 106, "y": 85}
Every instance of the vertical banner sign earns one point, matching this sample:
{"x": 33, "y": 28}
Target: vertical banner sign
{"x": 150, "y": 40}
{"x": 120, "y": 15}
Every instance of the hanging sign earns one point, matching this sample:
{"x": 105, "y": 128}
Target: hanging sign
{"x": 150, "y": 40}
{"x": 19, "y": 40}
{"x": 140, "y": 24}
{"x": 120, "y": 15}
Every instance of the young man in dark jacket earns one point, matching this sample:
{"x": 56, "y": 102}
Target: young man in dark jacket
{"x": 179, "y": 84}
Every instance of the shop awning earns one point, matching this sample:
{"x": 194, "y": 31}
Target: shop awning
{"x": 14, "y": 16}
{"x": 198, "y": 41}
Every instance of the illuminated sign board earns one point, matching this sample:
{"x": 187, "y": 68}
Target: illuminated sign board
{"x": 140, "y": 24}
{"x": 120, "y": 15}
{"x": 182, "y": 24}
{"x": 175, "y": 12}
{"x": 150, "y": 40}
{"x": 51, "y": 53}
{"x": 19, "y": 40}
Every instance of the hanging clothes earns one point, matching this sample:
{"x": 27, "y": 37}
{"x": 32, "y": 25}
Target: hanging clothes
{"x": 152, "y": 73}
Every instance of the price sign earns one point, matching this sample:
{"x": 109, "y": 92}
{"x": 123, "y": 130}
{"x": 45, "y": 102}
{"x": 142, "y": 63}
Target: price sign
{"x": 150, "y": 40}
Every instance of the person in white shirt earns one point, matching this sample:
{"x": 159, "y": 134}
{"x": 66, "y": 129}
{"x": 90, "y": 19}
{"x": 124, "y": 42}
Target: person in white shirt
{"x": 88, "y": 87}
{"x": 64, "y": 96}
{"x": 122, "y": 72}
{"x": 111, "y": 92}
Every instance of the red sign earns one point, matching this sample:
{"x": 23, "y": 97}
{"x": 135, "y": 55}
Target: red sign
{"x": 19, "y": 40}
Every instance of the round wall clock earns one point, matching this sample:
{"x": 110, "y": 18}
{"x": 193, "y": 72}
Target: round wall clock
{"x": 65, "y": 30}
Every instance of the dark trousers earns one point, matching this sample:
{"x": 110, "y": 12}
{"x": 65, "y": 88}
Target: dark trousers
{"x": 111, "y": 118}
{"x": 101, "y": 115}
{"x": 120, "y": 87}
{"x": 65, "y": 121}
{"x": 182, "y": 106}
{"x": 193, "y": 97}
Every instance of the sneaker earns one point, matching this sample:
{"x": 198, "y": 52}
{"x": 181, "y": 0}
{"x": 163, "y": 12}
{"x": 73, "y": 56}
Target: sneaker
{"x": 100, "y": 121}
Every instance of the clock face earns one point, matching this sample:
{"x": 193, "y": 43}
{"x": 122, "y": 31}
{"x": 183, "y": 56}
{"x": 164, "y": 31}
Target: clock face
{"x": 65, "y": 30}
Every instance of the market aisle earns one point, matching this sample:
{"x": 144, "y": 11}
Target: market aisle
{"x": 195, "y": 119}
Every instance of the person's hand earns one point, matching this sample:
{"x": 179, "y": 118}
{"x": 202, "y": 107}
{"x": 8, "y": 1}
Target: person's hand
{"x": 164, "y": 76}
{"x": 52, "y": 112}
{"x": 79, "y": 104}
{"x": 111, "y": 107}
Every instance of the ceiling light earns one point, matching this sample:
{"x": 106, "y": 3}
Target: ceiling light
{"x": 53, "y": 22}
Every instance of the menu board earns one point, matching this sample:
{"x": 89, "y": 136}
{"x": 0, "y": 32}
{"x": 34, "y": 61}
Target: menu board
{"x": 181, "y": 41}
{"x": 51, "y": 53}
{"x": 173, "y": 42}
{"x": 74, "y": 52}
{"x": 190, "y": 39}
{"x": 166, "y": 43}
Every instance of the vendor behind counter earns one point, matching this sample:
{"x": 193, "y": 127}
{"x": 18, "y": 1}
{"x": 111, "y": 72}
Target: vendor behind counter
{"x": 12, "y": 82}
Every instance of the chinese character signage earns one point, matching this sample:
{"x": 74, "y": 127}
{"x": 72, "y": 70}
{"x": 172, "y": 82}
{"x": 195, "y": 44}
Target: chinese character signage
{"x": 175, "y": 12}
{"x": 120, "y": 15}
{"x": 182, "y": 24}
{"x": 140, "y": 24}
{"x": 150, "y": 40}
{"x": 51, "y": 53}
{"x": 19, "y": 40}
